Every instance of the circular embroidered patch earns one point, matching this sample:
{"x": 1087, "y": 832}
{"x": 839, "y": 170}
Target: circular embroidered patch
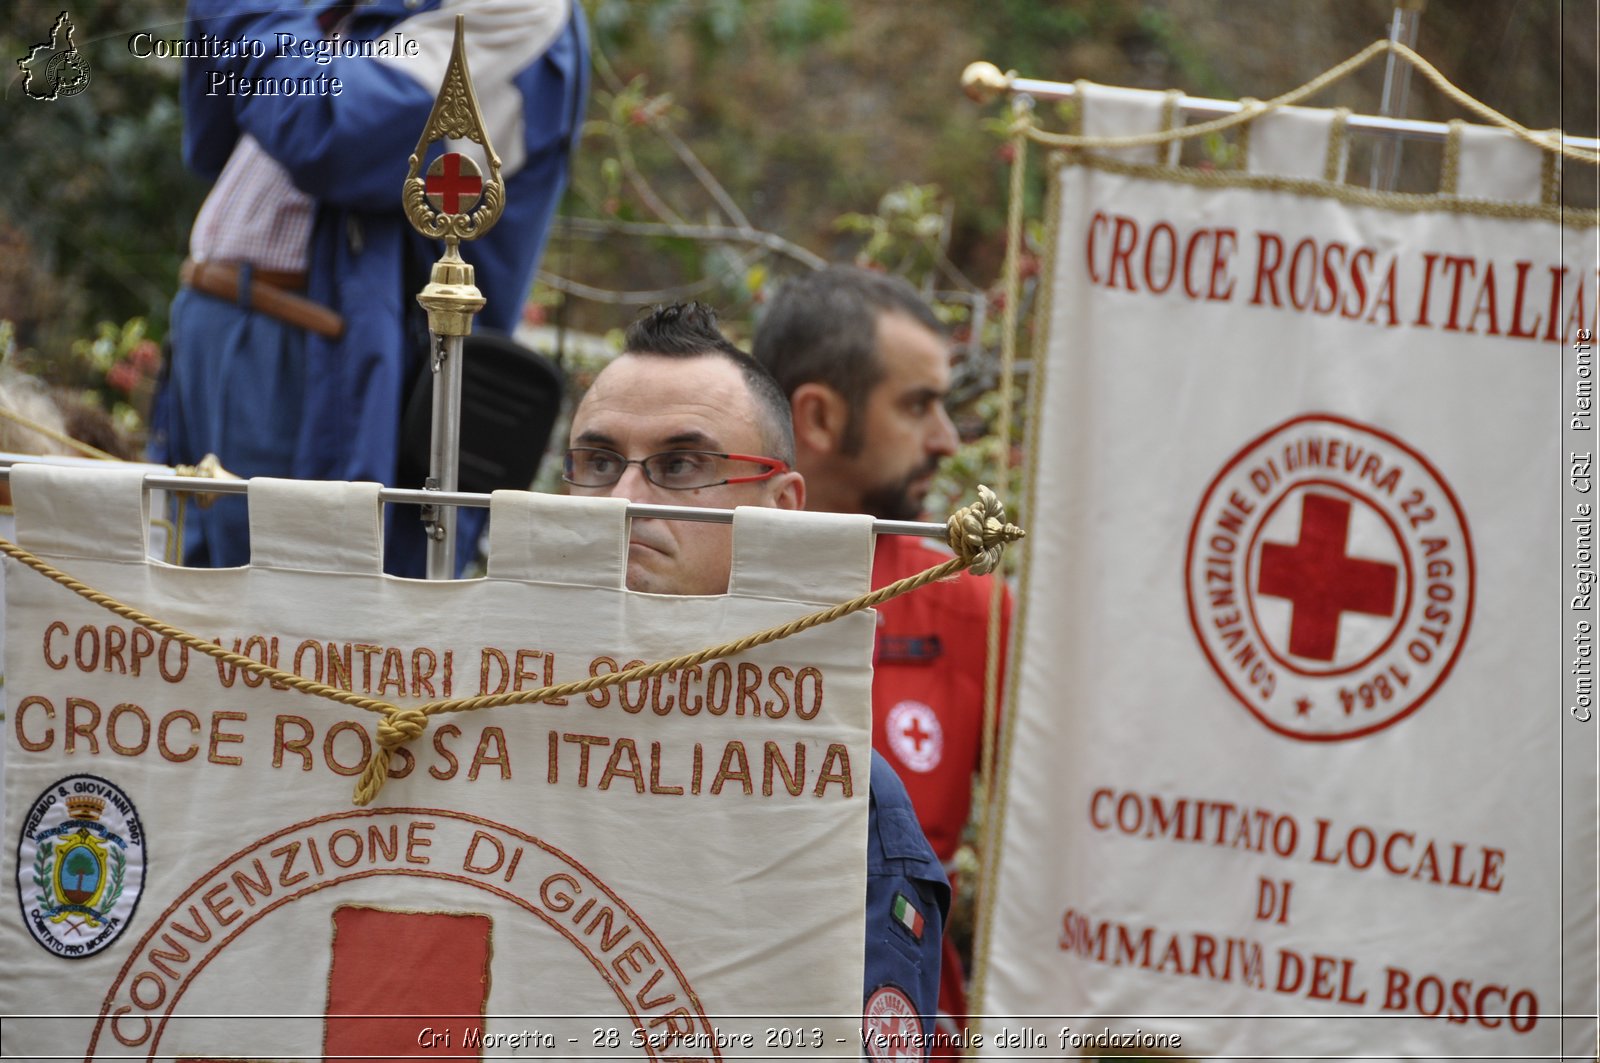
{"x": 80, "y": 865}
{"x": 915, "y": 735}
{"x": 891, "y": 1029}
{"x": 1330, "y": 578}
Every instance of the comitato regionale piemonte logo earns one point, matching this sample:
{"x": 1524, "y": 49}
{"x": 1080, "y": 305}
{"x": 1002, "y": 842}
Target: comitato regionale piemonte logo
{"x": 1330, "y": 578}
{"x": 55, "y": 68}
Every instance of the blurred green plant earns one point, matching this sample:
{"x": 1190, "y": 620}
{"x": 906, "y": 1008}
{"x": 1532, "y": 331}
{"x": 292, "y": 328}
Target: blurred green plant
{"x": 114, "y": 370}
{"x": 715, "y": 24}
{"x": 906, "y": 236}
{"x": 96, "y": 206}
{"x": 906, "y": 233}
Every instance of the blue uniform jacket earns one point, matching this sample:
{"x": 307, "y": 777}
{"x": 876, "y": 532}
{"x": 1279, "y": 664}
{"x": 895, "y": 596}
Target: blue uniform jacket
{"x": 901, "y": 867}
{"x": 350, "y": 153}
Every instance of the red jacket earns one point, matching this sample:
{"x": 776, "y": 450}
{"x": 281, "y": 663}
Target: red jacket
{"x": 927, "y": 685}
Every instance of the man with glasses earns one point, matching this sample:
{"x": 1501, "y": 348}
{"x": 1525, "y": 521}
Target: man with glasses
{"x": 685, "y": 418}
{"x": 695, "y": 415}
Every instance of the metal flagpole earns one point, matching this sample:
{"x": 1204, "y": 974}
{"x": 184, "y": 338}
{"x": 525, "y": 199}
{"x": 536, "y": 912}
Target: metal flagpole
{"x": 1396, "y": 87}
{"x": 166, "y": 478}
{"x": 984, "y": 81}
{"x": 453, "y": 202}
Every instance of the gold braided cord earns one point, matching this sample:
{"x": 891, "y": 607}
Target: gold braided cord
{"x": 995, "y": 815}
{"x": 1317, "y": 84}
{"x": 59, "y": 437}
{"x": 997, "y": 588}
{"x": 1171, "y": 118}
{"x": 1252, "y": 107}
{"x": 1077, "y": 120}
{"x": 1550, "y": 180}
{"x": 1570, "y": 217}
{"x": 1333, "y": 167}
{"x": 1450, "y": 160}
{"x": 978, "y": 533}
{"x": 1550, "y": 143}
{"x": 194, "y": 642}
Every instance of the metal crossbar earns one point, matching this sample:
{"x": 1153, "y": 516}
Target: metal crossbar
{"x": 163, "y": 478}
{"x": 1203, "y": 107}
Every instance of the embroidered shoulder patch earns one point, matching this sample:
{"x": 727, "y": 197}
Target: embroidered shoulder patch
{"x": 891, "y": 1029}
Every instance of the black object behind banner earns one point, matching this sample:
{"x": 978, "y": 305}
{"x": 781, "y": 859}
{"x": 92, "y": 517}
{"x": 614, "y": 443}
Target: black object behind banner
{"x": 510, "y": 398}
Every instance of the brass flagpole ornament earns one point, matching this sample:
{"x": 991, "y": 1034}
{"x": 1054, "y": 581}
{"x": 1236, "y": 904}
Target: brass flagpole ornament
{"x": 453, "y": 202}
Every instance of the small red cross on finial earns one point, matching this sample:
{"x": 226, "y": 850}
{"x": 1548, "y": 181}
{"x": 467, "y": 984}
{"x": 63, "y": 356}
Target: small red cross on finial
{"x": 453, "y": 177}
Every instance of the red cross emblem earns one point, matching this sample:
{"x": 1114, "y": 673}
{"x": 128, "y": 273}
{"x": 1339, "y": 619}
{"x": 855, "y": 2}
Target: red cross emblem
{"x": 401, "y": 985}
{"x": 915, "y": 735}
{"x": 454, "y": 183}
{"x": 1329, "y": 577}
{"x": 891, "y": 1029}
{"x": 1321, "y": 581}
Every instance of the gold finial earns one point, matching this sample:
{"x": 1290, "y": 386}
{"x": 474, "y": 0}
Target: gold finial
{"x": 983, "y": 81}
{"x": 979, "y": 533}
{"x": 454, "y": 201}
{"x": 210, "y": 468}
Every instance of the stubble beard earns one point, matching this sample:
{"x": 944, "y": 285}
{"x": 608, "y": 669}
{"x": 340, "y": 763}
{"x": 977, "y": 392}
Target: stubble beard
{"x": 899, "y": 499}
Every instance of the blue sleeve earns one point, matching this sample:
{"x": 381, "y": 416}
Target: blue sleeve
{"x": 349, "y": 149}
{"x": 908, "y": 898}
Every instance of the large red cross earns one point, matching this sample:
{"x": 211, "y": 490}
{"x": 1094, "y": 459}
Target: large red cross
{"x": 450, "y": 184}
{"x": 916, "y": 734}
{"x": 417, "y": 970}
{"x": 1321, "y": 581}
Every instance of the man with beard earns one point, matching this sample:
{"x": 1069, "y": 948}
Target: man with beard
{"x": 866, "y": 366}
{"x": 684, "y": 418}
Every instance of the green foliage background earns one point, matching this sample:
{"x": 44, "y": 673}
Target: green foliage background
{"x": 734, "y": 142}
{"x": 836, "y": 126}
{"x": 95, "y": 210}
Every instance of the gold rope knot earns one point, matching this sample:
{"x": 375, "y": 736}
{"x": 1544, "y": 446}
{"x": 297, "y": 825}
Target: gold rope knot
{"x": 394, "y": 730}
{"x": 210, "y": 468}
{"x": 979, "y": 534}
{"x": 401, "y": 726}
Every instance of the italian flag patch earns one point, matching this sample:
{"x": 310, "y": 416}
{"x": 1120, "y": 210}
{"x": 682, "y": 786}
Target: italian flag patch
{"x": 906, "y": 914}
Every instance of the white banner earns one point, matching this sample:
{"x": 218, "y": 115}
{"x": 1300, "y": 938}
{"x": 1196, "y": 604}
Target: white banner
{"x": 1293, "y": 770}
{"x": 672, "y": 868}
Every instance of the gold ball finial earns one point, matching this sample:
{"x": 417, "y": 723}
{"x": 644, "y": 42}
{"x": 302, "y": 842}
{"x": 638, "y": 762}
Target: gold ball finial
{"x": 983, "y": 81}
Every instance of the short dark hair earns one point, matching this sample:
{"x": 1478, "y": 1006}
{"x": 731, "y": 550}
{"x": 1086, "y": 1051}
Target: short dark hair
{"x": 689, "y": 330}
{"x": 823, "y": 327}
